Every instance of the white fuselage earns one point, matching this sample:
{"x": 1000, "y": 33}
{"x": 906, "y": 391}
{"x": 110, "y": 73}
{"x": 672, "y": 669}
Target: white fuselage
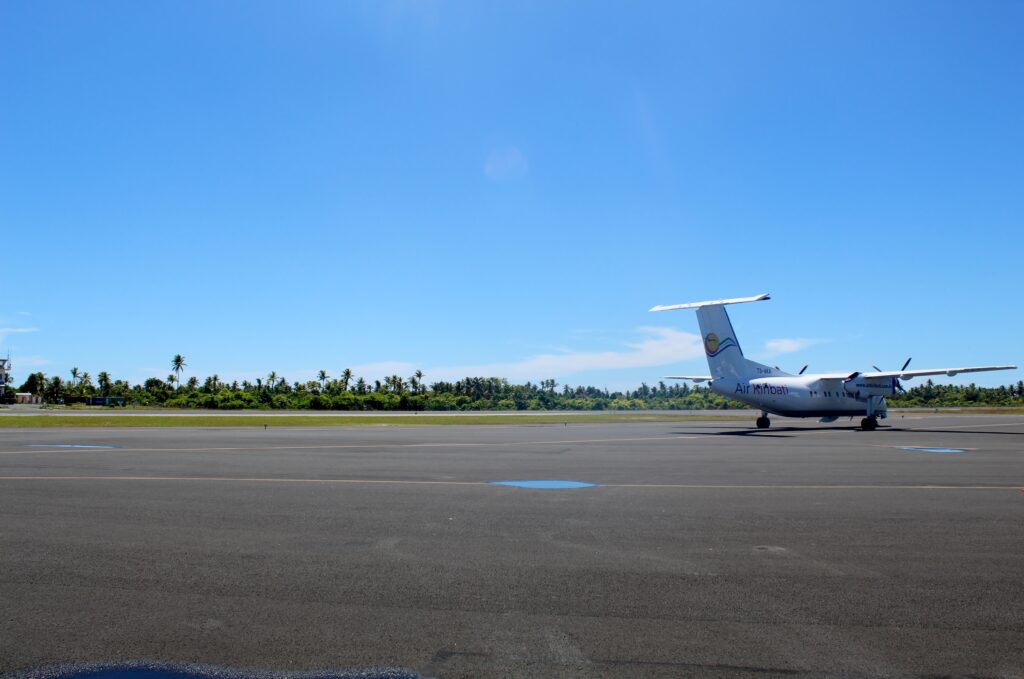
{"x": 807, "y": 395}
{"x": 824, "y": 395}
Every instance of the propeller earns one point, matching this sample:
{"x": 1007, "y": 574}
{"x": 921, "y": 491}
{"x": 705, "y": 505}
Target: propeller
{"x": 896, "y": 381}
{"x": 803, "y": 369}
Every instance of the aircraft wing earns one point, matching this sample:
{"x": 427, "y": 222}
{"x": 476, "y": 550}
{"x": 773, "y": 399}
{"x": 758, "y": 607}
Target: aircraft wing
{"x": 908, "y": 374}
{"x": 692, "y": 378}
{"x": 836, "y": 376}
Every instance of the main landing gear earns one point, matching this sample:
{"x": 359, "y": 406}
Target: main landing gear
{"x": 874, "y": 409}
{"x": 763, "y": 422}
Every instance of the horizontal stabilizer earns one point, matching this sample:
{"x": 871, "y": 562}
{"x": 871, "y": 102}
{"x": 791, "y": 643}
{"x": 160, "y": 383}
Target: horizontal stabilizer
{"x": 909, "y": 374}
{"x": 692, "y": 378}
{"x": 714, "y": 302}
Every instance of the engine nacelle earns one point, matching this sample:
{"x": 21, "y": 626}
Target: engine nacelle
{"x": 864, "y": 385}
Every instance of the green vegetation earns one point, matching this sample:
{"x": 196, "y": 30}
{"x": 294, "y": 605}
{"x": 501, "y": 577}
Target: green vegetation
{"x": 395, "y": 393}
{"x": 933, "y": 395}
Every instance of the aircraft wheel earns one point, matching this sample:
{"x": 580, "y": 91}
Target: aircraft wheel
{"x": 763, "y": 422}
{"x": 869, "y": 424}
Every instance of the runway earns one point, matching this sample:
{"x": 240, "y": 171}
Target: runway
{"x": 704, "y": 549}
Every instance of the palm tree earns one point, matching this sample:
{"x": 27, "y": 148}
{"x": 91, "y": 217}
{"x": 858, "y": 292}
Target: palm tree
{"x": 322, "y": 376}
{"x": 178, "y": 364}
{"x": 360, "y": 386}
{"x": 103, "y": 380}
{"x": 35, "y": 384}
{"x": 419, "y": 381}
{"x": 272, "y": 380}
{"x": 74, "y": 376}
{"x": 54, "y": 389}
{"x": 346, "y": 377}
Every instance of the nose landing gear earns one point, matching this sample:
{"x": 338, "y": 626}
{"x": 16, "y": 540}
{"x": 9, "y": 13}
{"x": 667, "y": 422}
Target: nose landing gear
{"x": 763, "y": 422}
{"x": 869, "y": 423}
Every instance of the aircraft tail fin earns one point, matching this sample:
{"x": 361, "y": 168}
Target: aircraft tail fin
{"x": 725, "y": 357}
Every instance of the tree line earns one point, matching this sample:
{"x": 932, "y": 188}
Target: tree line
{"x": 930, "y": 395}
{"x": 350, "y": 392}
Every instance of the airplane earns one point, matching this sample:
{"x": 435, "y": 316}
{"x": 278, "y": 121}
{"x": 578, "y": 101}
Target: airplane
{"x": 828, "y": 396}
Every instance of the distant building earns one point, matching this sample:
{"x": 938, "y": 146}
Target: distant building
{"x": 105, "y": 400}
{"x": 22, "y": 397}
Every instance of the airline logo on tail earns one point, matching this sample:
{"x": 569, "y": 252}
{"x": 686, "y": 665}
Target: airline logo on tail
{"x": 713, "y": 347}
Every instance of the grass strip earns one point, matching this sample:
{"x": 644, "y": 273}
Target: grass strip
{"x": 57, "y": 421}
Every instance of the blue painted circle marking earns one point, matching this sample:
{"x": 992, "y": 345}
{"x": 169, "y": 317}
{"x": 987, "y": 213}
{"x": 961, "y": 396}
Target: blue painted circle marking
{"x": 915, "y": 449}
{"x": 81, "y": 446}
{"x": 546, "y": 484}
{"x": 144, "y": 669}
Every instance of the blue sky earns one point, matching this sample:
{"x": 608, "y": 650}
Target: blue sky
{"x": 505, "y": 189}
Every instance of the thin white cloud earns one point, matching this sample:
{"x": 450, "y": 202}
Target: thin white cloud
{"x": 661, "y": 346}
{"x": 776, "y": 347}
{"x": 506, "y": 163}
{"x": 382, "y": 369}
{"x": 650, "y": 134}
{"x": 20, "y": 362}
{"x": 4, "y": 332}
{"x": 656, "y": 346}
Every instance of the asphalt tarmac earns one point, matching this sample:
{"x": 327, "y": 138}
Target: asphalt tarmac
{"x": 706, "y": 549}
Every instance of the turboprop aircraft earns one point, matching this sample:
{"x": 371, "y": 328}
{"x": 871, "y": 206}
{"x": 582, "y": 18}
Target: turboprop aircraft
{"x": 828, "y": 396}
